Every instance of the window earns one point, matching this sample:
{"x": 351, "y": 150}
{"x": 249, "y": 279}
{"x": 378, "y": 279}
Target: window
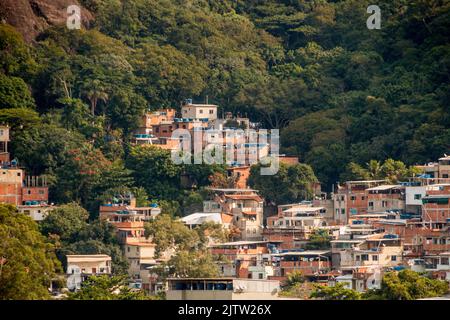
{"x": 417, "y": 196}
{"x": 18, "y": 174}
{"x": 260, "y": 276}
{"x": 343, "y": 211}
{"x": 444, "y": 261}
{"x": 41, "y": 191}
{"x": 374, "y": 258}
{"x": 201, "y": 110}
{"x": 370, "y": 204}
{"x": 211, "y": 111}
{"x": 445, "y": 175}
{"x": 358, "y": 258}
{"x": 364, "y": 257}
{"x": 353, "y": 198}
{"x": 363, "y": 198}
{"x": 393, "y": 258}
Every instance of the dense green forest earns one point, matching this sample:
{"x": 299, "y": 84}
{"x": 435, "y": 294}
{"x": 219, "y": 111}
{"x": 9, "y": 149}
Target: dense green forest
{"x": 339, "y": 92}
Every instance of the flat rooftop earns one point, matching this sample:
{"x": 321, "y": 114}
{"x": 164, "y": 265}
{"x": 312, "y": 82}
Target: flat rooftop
{"x": 346, "y": 241}
{"x": 304, "y": 253}
{"x": 385, "y": 187}
{"x": 303, "y": 208}
{"x": 364, "y": 181}
{"x": 201, "y": 279}
{"x": 238, "y": 243}
{"x": 232, "y": 190}
{"x": 87, "y": 257}
{"x": 199, "y": 105}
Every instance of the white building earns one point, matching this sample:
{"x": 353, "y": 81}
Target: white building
{"x": 439, "y": 265}
{"x": 37, "y": 212}
{"x": 199, "y": 111}
{"x": 80, "y": 267}
{"x": 199, "y": 218}
{"x": 413, "y": 198}
{"x": 139, "y": 256}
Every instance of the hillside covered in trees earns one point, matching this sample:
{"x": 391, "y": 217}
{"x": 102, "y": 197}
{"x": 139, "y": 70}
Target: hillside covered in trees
{"x": 338, "y": 91}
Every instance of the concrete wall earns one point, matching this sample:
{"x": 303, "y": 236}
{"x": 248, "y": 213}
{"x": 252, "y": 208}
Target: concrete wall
{"x": 410, "y": 192}
{"x": 37, "y": 213}
{"x": 11, "y": 176}
{"x": 92, "y": 267}
{"x": 195, "y": 112}
{"x": 4, "y": 134}
{"x": 134, "y": 255}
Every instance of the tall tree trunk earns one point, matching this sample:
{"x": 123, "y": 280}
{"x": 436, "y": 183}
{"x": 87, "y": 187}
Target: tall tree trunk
{"x": 93, "y": 105}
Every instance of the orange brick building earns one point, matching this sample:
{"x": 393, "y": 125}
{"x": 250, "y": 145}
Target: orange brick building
{"x": 241, "y": 175}
{"x": 15, "y": 187}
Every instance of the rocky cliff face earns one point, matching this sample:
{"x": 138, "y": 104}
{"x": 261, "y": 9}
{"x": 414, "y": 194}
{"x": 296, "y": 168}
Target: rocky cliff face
{"x": 31, "y": 17}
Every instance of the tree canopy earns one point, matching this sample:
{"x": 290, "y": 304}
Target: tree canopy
{"x": 292, "y": 183}
{"x": 106, "y": 288}
{"x": 408, "y": 285}
{"x": 27, "y": 260}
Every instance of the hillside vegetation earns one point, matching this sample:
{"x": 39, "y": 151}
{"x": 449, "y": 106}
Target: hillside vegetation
{"x": 338, "y": 91}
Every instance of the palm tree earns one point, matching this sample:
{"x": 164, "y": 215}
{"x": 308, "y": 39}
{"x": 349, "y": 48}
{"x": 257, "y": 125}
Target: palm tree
{"x": 374, "y": 169}
{"x": 95, "y": 92}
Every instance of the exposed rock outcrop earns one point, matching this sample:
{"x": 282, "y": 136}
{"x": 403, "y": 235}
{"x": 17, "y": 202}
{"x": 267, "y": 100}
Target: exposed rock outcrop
{"x": 31, "y": 17}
